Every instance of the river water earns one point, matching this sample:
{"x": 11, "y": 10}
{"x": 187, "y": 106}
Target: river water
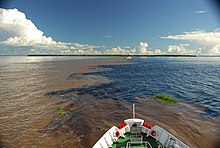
{"x": 97, "y": 96}
{"x": 192, "y": 80}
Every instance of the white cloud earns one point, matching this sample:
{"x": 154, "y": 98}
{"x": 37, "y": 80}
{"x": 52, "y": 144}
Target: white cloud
{"x": 157, "y": 51}
{"x": 116, "y": 51}
{"x": 23, "y": 32}
{"x": 107, "y": 36}
{"x": 143, "y": 47}
{"x": 199, "y": 36}
{"x": 177, "y": 49}
{"x": 133, "y": 50}
{"x": 209, "y": 40}
{"x": 216, "y": 49}
{"x": 200, "y": 11}
{"x": 182, "y": 49}
{"x": 142, "y": 50}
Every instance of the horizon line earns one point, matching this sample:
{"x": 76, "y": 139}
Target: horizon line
{"x": 123, "y": 55}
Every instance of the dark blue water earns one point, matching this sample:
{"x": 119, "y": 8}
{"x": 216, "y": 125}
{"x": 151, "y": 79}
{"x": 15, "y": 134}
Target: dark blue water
{"x": 192, "y": 80}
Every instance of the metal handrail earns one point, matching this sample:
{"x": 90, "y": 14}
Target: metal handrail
{"x": 146, "y": 143}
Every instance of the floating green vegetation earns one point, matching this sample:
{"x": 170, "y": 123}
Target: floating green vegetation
{"x": 101, "y": 128}
{"x": 106, "y": 123}
{"x": 162, "y": 98}
{"x": 60, "y": 110}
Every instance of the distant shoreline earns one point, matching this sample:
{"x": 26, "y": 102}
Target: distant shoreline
{"x": 121, "y": 55}
{"x": 165, "y": 55}
{"x": 58, "y": 55}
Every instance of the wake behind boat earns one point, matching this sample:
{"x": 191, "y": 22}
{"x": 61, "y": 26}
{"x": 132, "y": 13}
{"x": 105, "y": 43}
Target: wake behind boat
{"x": 135, "y": 133}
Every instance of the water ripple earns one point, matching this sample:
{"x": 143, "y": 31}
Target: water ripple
{"x": 185, "y": 79}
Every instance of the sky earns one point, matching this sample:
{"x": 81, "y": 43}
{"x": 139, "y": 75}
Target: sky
{"x": 109, "y": 27}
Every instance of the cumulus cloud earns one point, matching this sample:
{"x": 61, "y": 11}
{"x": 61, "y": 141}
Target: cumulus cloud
{"x": 116, "y": 51}
{"x": 182, "y": 49}
{"x": 216, "y": 49}
{"x": 133, "y": 50}
{"x": 143, "y": 50}
{"x": 158, "y": 51}
{"x": 143, "y": 47}
{"x": 178, "y": 49}
{"x": 210, "y": 40}
{"x": 23, "y": 32}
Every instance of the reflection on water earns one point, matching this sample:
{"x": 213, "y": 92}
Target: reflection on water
{"x": 32, "y": 59}
{"x": 191, "y": 80}
{"x": 21, "y": 87}
{"x": 25, "y": 109}
{"x": 31, "y": 90}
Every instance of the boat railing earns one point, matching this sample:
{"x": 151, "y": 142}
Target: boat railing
{"x": 146, "y": 144}
{"x": 136, "y": 136}
{"x": 173, "y": 143}
{"x": 136, "y": 139}
{"x": 135, "y": 130}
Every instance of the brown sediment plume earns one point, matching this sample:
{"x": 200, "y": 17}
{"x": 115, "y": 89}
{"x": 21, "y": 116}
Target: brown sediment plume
{"x": 25, "y": 110}
{"x": 86, "y": 118}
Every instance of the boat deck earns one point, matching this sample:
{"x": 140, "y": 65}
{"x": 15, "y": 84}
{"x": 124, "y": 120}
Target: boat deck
{"x": 122, "y": 142}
